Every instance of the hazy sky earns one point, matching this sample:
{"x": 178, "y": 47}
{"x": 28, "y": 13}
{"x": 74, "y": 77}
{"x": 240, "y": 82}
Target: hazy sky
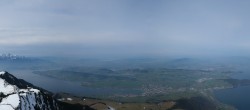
{"x": 125, "y": 27}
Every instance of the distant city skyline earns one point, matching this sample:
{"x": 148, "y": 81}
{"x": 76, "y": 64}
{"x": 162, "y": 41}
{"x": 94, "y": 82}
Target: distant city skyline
{"x": 125, "y": 28}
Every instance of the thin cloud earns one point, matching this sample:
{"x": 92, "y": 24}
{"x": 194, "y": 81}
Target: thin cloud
{"x": 126, "y": 27}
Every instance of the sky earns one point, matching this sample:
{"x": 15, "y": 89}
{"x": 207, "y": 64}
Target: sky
{"x": 125, "y": 28}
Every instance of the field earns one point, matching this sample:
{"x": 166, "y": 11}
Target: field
{"x": 153, "y": 84}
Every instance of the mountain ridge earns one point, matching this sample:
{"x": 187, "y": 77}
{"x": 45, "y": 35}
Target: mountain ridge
{"x": 16, "y": 94}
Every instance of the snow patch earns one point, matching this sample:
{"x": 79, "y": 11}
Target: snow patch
{"x": 35, "y": 90}
{"x": 23, "y": 99}
{"x": 6, "y": 88}
{"x": 28, "y": 101}
{"x": 12, "y": 100}
{"x": 6, "y": 107}
{"x": 69, "y": 99}
{"x": 2, "y": 72}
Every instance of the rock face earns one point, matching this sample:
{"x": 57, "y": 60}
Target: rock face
{"x": 17, "y": 94}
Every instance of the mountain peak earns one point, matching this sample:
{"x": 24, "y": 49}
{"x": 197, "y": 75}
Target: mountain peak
{"x": 2, "y": 72}
{"x": 17, "y": 94}
{"x": 10, "y": 79}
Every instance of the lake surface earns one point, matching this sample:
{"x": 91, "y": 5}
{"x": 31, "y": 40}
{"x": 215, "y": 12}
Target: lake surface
{"x": 238, "y": 97}
{"x": 56, "y": 85}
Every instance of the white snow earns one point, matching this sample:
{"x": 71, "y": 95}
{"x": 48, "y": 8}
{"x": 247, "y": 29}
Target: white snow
{"x": 35, "y": 90}
{"x": 30, "y": 90}
{"x": 6, "y": 88}
{"x": 2, "y": 72}
{"x": 12, "y": 100}
{"x": 21, "y": 99}
{"x": 110, "y": 108}
{"x": 6, "y": 107}
{"x": 28, "y": 101}
{"x": 69, "y": 99}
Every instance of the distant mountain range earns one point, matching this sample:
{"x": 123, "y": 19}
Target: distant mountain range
{"x": 12, "y": 57}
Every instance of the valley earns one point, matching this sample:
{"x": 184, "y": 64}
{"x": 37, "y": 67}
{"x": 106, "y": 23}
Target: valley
{"x": 175, "y": 84}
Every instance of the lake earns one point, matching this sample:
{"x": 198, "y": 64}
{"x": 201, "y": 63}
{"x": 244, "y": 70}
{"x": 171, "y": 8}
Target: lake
{"x": 56, "y": 85}
{"x": 238, "y": 97}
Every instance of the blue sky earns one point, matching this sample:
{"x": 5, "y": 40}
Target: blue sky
{"x": 125, "y": 28}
